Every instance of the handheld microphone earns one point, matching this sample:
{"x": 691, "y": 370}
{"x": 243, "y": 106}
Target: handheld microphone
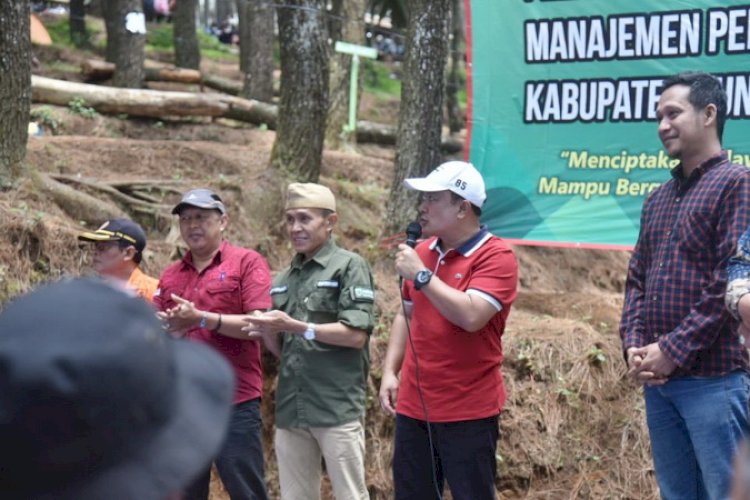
{"x": 413, "y": 232}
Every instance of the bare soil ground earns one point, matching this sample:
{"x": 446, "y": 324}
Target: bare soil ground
{"x": 573, "y": 426}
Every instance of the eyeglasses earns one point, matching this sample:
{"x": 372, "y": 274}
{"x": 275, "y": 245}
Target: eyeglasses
{"x": 104, "y": 246}
{"x": 200, "y": 218}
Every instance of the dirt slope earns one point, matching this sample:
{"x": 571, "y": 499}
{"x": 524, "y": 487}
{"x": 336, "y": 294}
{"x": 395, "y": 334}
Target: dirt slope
{"x": 573, "y": 428}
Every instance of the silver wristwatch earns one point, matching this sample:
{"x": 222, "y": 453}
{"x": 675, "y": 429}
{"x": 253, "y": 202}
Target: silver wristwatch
{"x": 309, "y": 334}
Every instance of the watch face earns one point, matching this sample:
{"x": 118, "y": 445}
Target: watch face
{"x": 422, "y": 278}
{"x": 309, "y": 334}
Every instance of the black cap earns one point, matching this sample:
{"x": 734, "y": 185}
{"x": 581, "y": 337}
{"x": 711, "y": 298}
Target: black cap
{"x": 97, "y": 401}
{"x": 201, "y": 198}
{"x": 116, "y": 230}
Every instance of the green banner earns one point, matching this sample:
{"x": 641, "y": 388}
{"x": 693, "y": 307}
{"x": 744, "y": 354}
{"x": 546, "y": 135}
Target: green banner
{"x": 563, "y": 96}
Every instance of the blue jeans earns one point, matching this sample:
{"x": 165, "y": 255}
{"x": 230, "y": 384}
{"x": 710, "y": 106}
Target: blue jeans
{"x": 240, "y": 461}
{"x": 696, "y": 425}
{"x": 464, "y": 455}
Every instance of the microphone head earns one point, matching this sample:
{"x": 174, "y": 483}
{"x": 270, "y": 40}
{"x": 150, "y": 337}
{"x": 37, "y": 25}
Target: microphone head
{"x": 413, "y": 232}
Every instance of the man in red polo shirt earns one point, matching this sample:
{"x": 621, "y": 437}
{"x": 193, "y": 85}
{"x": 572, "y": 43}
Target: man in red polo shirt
{"x": 441, "y": 374}
{"x": 204, "y": 297}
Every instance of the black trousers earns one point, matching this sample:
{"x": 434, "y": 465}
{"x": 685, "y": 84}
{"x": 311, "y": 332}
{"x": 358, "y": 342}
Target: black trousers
{"x": 240, "y": 461}
{"x": 464, "y": 456}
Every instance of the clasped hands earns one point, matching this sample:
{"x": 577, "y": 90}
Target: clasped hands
{"x": 648, "y": 365}
{"x": 270, "y": 323}
{"x": 178, "y": 319}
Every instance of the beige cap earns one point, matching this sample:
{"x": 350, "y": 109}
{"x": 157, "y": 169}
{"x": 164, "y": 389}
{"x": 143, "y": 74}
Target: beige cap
{"x": 309, "y": 195}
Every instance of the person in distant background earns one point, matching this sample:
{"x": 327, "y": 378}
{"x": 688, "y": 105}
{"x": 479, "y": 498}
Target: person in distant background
{"x": 117, "y": 253}
{"x": 741, "y": 474}
{"x": 227, "y": 33}
{"x": 148, "y": 10}
{"x": 162, "y": 10}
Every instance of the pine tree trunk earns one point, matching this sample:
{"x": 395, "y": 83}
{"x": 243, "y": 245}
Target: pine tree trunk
{"x": 109, "y": 13}
{"x": 256, "y": 48}
{"x": 15, "y": 88}
{"x": 420, "y": 114}
{"x": 77, "y": 18}
{"x": 303, "y": 105}
{"x": 95, "y": 9}
{"x": 453, "y": 110}
{"x": 223, "y": 10}
{"x": 128, "y": 49}
{"x": 205, "y": 13}
{"x": 243, "y": 7}
{"x": 345, "y": 26}
{"x": 187, "y": 53}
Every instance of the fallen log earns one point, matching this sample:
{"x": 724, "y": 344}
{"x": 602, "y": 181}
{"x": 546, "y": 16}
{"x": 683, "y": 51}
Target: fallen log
{"x": 256, "y": 112}
{"x": 378, "y": 133}
{"x": 134, "y": 102}
{"x": 160, "y": 104}
{"x": 231, "y": 87}
{"x": 228, "y": 86}
{"x": 95, "y": 70}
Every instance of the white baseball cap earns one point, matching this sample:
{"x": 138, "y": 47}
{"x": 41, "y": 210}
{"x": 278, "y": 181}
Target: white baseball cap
{"x": 458, "y": 177}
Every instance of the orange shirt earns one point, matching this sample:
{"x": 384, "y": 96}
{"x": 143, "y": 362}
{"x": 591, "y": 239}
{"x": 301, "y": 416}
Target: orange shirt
{"x": 143, "y": 284}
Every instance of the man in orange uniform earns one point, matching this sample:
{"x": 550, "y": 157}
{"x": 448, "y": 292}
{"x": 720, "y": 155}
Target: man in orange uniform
{"x": 117, "y": 252}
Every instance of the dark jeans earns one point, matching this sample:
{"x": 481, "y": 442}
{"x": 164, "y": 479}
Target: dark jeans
{"x": 240, "y": 461}
{"x": 464, "y": 455}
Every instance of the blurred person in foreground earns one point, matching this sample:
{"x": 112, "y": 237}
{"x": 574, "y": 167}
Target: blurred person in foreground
{"x": 320, "y": 328}
{"x": 117, "y": 251}
{"x": 203, "y": 297}
{"x": 679, "y": 339}
{"x": 741, "y": 474}
{"x": 103, "y": 405}
{"x": 441, "y": 374}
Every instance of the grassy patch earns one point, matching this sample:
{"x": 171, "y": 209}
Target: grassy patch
{"x": 59, "y": 31}
{"x": 384, "y": 80}
{"x": 160, "y": 38}
{"x": 63, "y": 67}
{"x": 380, "y": 78}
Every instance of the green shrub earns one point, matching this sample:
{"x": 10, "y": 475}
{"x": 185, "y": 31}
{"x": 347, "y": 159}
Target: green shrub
{"x": 78, "y": 106}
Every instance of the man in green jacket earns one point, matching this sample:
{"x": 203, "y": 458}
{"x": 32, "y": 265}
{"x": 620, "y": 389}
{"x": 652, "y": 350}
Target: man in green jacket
{"x": 320, "y": 327}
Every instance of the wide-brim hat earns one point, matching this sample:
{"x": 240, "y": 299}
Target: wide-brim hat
{"x": 97, "y": 401}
